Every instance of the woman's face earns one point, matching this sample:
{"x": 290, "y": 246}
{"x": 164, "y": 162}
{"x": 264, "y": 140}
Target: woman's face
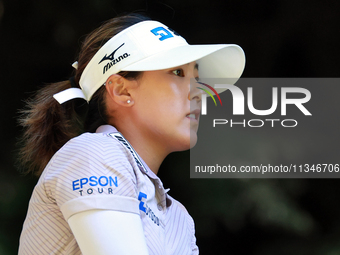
{"x": 167, "y": 108}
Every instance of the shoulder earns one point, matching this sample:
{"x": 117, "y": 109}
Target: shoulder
{"x": 86, "y": 162}
{"x": 89, "y": 150}
{"x": 91, "y": 145}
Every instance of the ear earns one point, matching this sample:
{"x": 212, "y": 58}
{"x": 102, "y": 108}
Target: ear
{"x": 118, "y": 89}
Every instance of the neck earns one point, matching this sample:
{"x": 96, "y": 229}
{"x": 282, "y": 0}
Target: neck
{"x": 147, "y": 147}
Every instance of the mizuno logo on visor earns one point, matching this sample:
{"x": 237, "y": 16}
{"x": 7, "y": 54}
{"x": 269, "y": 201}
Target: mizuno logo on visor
{"x": 111, "y": 58}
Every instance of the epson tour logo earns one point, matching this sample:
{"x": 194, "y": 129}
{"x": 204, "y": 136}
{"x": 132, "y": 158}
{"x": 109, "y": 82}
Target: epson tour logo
{"x": 112, "y": 59}
{"x": 238, "y": 99}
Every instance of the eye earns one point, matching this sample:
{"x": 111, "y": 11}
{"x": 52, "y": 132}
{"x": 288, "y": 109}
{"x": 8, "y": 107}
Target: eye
{"x": 178, "y": 72}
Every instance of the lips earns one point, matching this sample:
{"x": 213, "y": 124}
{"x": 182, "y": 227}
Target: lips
{"x": 191, "y": 116}
{"x": 194, "y": 114}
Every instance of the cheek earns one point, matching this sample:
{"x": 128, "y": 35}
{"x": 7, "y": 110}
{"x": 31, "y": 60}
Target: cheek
{"x": 166, "y": 101}
{"x": 170, "y": 101}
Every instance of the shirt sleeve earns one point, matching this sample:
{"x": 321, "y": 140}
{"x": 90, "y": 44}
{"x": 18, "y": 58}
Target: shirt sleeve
{"x": 194, "y": 246}
{"x": 92, "y": 171}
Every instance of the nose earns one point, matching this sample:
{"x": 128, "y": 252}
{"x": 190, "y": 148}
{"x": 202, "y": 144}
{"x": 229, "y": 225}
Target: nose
{"x": 195, "y": 93}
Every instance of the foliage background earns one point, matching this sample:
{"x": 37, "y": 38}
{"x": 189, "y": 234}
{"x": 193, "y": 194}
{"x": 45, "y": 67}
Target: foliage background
{"x": 281, "y": 38}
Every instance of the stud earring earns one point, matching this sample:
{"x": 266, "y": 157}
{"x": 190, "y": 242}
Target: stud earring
{"x": 110, "y": 82}
{"x": 128, "y": 101}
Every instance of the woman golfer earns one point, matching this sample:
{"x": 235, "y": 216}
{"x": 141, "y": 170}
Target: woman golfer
{"x": 98, "y": 191}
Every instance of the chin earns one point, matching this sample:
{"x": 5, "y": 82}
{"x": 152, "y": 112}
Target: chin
{"x": 193, "y": 139}
{"x": 186, "y": 143}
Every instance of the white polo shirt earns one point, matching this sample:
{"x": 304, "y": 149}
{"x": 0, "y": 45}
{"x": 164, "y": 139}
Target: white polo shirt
{"x": 102, "y": 171}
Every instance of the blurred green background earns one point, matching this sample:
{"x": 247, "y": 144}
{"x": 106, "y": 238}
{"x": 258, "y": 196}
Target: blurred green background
{"x": 39, "y": 40}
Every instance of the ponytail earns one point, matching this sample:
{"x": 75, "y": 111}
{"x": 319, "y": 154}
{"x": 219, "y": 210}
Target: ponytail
{"x": 47, "y": 127}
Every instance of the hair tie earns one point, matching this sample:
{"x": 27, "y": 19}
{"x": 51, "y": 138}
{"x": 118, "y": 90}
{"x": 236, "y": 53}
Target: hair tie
{"x": 70, "y": 93}
{"x": 75, "y": 65}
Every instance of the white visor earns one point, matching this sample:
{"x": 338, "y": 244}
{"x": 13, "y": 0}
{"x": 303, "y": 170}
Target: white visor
{"x": 150, "y": 45}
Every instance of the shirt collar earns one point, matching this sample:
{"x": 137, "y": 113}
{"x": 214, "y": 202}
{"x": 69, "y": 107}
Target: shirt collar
{"x": 108, "y": 129}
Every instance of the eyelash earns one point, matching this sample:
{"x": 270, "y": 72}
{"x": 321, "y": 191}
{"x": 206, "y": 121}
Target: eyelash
{"x": 181, "y": 71}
